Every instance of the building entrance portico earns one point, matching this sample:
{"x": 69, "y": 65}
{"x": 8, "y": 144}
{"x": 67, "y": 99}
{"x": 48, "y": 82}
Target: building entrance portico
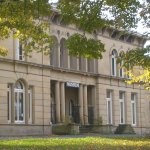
{"x": 71, "y": 100}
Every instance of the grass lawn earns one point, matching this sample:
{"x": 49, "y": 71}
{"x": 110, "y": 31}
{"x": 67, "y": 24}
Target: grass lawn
{"x": 88, "y": 143}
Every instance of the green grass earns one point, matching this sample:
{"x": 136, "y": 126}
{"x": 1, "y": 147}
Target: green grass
{"x": 88, "y": 143}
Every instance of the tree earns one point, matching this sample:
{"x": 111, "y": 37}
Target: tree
{"x": 140, "y": 56}
{"x": 26, "y": 20}
{"x": 91, "y": 15}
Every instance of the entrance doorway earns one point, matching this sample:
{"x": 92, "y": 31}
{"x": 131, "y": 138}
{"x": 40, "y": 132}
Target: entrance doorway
{"x": 72, "y": 105}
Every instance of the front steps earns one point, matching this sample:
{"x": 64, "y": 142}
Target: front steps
{"x": 74, "y": 129}
{"x": 124, "y": 129}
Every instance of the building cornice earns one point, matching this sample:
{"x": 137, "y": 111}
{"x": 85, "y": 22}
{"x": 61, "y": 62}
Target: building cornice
{"x": 58, "y": 69}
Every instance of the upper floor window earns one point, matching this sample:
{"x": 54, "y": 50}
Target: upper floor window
{"x": 54, "y": 53}
{"x": 19, "y": 50}
{"x": 121, "y": 70}
{"x": 63, "y": 54}
{"x": 114, "y": 62}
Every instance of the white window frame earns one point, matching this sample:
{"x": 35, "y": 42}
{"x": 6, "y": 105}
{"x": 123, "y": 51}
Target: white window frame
{"x": 18, "y": 55}
{"x": 133, "y": 102}
{"x": 30, "y": 106}
{"x": 121, "y": 70}
{"x": 109, "y": 101}
{"x": 9, "y": 102}
{"x": 122, "y": 101}
{"x": 149, "y": 110}
{"x": 18, "y": 91}
{"x": 113, "y": 57}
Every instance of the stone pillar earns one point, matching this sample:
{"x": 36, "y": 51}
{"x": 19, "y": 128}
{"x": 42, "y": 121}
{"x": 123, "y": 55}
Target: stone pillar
{"x": 62, "y": 95}
{"x": 57, "y": 97}
{"x": 26, "y": 104}
{"x": 81, "y": 103}
{"x": 12, "y": 103}
{"x": 85, "y": 105}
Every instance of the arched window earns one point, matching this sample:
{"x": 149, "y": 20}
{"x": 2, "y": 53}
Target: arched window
{"x": 19, "y": 102}
{"x": 90, "y": 65}
{"x": 80, "y": 63}
{"x": 54, "y": 53}
{"x": 63, "y": 54}
{"x": 121, "y": 70}
{"x": 73, "y": 63}
{"x": 114, "y": 63}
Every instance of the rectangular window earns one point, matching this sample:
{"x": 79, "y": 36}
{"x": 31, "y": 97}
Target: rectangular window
{"x": 30, "y": 105}
{"x": 122, "y": 107}
{"x": 19, "y": 106}
{"x": 113, "y": 67}
{"x": 133, "y": 108}
{"x": 9, "y": 103}
{"x": 149, "y": 111}
{"x": 19, "y": 50}
{"x": 109, "y": 106}
{"x": 121, "y": 70}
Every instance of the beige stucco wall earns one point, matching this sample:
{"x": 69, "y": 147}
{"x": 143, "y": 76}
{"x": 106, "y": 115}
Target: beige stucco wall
{"x": 38, "y": 73}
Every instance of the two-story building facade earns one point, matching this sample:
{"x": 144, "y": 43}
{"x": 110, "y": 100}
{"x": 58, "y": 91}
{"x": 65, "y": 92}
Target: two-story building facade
{"x": 43, "y": 90}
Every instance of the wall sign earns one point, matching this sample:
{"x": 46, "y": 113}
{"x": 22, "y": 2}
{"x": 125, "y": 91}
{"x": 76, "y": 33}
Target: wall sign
{"x": 72, "y": 84}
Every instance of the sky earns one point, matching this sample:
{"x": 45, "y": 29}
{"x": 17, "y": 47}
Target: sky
{"x": 140, "y": 29}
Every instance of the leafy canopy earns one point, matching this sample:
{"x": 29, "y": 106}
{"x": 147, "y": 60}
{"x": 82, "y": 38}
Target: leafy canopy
{"x": 26, "y": 20}
{"x": 90, "y": 16}
{"x": 138, "y": 57}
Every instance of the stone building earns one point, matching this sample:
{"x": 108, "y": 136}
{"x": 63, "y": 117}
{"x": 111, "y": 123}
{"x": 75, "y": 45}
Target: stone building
{"x": 40, "y": 91}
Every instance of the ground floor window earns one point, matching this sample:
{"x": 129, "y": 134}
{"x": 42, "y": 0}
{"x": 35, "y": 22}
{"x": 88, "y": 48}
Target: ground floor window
{"x": 19, "y": 102}
{"x": 30, "y": 104}
{"x": 133, "y": 108}
{"x": 122, "y": 107}
{"x": 109, "y": 106}
{"x": 9, "y": 103}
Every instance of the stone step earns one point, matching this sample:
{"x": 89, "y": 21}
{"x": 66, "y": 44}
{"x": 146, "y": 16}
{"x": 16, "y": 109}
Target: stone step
{"x": 124, "y": 129}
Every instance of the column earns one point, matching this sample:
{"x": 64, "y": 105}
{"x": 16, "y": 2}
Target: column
{"x": 81, "y": 104}
{"x": 62, "y": 95}
{"x": 85, "y": 105}
{"x": 57, "y": 97}
{"x": 12, "y": 103}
